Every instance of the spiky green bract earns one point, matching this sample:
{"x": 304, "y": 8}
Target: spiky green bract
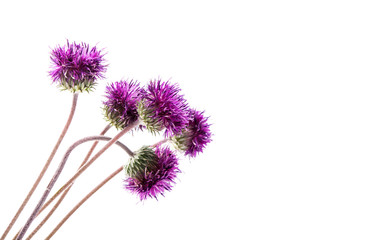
{"x": 120, "y": 107}
{"x": 76, "y": 67}
{"x": 153, "y": 125}
{"x": 195, "y": 136}
{"x": 144, "y": 159}
{"x": 74, "y": 86}
{"x": 155, "y": 180}
{"x": 163, "y": 107}
{"x": 180, "y": 141}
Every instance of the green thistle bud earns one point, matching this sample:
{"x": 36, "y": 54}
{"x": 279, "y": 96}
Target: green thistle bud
{"x": 143, "y": 160}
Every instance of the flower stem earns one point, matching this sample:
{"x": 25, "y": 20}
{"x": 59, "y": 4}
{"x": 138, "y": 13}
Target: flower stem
{"x": 83, "y": 200}
{"x": 160, "y": 142}
{"x": 84, "y": 161}
{"x": 60, "y": 168}
{"x": 46, "y": 165}
{"x": 45, "y": 219}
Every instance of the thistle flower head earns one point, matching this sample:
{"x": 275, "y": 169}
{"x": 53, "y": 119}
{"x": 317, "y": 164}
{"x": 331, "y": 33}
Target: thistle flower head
{"x": 162, "y": 106}
{"x": 120, "y": 107}
{"x": 195, "y": 136}
{"x": 76, "y": 66}
{"x": 151, "y": 172}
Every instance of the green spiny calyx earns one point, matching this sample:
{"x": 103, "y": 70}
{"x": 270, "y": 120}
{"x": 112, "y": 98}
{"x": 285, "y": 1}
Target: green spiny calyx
{"x": 147, "y": 116}
{"x": 76, "y": 86}
{"x": 114, "y": 118}
{"x": 181, "y": 141}
{"x": 145, "y": 159}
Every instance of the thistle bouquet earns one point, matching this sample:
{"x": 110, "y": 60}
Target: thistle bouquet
{"x": 157, "y": 107}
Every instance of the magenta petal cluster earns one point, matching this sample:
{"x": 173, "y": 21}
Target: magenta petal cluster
{"x": 163, "y": 107}
{"x": 196, "y": 136}
{"x": 155, "y": 180}
{"x": 198, "y": 132}
{"x": 77, "y": 66}
{"x": 120, "y": 107}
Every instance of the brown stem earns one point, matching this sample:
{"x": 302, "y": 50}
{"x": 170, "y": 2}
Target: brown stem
{"x": 83, "y": 200}
{"x": 46, "y": 165}
{"x": 84, "y": 161}
{"x": 45, "y": 219}
{"x": 58, "y": 172}
{"x": 160, "y": 142}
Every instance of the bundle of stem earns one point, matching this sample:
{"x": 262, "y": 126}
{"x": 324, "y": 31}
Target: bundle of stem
{"x": 84, "y": 200}
{"x": 46, "y": 165}
{"x": 78, "y": 173}
{"x": 54, "y": 208}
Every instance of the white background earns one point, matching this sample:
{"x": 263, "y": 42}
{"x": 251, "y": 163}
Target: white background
{"x": 288, "y": 86}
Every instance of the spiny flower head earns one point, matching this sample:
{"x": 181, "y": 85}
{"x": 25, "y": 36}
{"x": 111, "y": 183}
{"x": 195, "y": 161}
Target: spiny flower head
{"x": 195, "y": 136}
{"x": 162, "y": 106}
{"x": 154, "y": 175}
{"x": 76, "y": 66}
{"x": 120, "y": 107}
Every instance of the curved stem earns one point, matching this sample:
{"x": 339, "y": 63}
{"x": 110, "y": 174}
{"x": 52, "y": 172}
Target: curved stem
{"x": 83, "y": 200}
{"x": 45, "y": 219}
{"x": 160, "y": 142}
{"x": 58, "y": 172}
{"x": 46, "y": 165}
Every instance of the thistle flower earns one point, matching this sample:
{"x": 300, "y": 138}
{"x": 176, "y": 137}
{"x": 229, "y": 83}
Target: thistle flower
{"x": 120, "y": 108}
{"x": 195, "y": 136}
{"x": 163, "y": 107}
{"x": 76, "y": 67}
{"x": 151, "y": 172}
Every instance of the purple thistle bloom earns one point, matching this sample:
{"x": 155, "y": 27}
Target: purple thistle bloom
{"x": 155, "y": 179}
{"x": 76, "y": 67}
{"x": 121, "y": 104}
{"x": 196, "y": 136}
{"x": 163, "y": 107}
